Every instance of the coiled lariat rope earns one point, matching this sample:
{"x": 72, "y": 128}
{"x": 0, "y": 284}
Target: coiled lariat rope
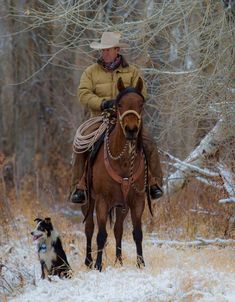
{"x": 83, "y": 142}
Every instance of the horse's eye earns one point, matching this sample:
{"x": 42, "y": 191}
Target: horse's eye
{"x": 119, "y": 105}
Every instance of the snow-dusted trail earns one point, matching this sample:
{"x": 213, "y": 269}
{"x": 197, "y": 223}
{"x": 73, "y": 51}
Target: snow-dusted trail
{"x": 172, "y": 273}
{"x": 129, "y": 284}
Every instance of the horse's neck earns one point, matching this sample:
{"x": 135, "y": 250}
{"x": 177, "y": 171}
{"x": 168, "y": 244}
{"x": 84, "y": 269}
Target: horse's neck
{"x": 117, "y": 141}
{"x": 127, "y": 159}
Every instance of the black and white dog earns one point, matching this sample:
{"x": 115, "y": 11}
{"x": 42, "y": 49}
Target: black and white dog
{"x": 50, "y": 251}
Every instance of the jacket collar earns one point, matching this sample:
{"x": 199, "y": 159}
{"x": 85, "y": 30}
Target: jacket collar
{"x": 123, "y": 64}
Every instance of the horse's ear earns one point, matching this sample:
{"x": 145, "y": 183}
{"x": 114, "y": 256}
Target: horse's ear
{"x": 120, "y": 85}
{"x": 139, "y": 85}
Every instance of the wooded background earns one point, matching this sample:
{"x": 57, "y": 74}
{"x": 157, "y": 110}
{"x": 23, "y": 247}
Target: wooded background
{"x": 185, "y": 50}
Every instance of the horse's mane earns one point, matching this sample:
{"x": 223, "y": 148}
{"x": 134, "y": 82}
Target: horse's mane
{"x": 125, "y": 91}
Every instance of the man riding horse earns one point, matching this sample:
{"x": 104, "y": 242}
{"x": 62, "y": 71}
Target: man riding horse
{"x": 97, "y": 91}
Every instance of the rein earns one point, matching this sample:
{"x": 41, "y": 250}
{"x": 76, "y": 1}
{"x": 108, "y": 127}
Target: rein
{"x": 131, "y": 173}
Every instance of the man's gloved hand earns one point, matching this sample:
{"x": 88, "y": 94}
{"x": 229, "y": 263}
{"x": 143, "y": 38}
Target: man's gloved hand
{"x": 107, "y": 104}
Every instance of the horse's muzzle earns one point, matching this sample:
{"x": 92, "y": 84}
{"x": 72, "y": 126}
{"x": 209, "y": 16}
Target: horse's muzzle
{"x": 131, "y": 133}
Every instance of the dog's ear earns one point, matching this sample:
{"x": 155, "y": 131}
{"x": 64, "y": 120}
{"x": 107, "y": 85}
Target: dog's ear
{"x": 49, "y": 226}
{"x": 47, "y": 220}
{"x": 37, "y": 220}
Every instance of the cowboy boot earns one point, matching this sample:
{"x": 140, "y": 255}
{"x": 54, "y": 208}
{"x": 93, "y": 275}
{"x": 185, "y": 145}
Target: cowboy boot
{"x": 78, "y": 196}
{"x": 153, "y": 160}
{"x": 77, "y": 192}
{"x": 155, "y": 192}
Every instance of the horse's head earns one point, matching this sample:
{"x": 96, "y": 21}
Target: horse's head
{"x": 129, "y": 104}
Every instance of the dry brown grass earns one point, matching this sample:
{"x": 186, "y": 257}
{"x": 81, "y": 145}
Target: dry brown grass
{"x": 162, "y": 258}
{"x": 172, "y": 220}
{"x": 195, "y": 211}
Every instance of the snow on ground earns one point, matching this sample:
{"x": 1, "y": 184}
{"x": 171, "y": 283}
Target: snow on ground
{"x": 172, "y": 273}
{"x": 130, "y": 284}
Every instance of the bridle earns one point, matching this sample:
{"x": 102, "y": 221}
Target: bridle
{"x": 121, "y": 117}
{"x": 127, "y": 112}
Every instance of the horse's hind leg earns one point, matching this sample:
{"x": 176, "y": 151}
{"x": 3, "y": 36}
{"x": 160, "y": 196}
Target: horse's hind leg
{"x": 118, "y": 232}
{"x": 89, "y": 230}
{"x": 102, "y": 216}
{"x": 136, "y": 215}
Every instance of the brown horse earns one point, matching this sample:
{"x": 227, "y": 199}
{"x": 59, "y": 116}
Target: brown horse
{"x": 119, "y": 177}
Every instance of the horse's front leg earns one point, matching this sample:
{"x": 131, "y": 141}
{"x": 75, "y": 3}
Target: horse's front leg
{"x": 102, "y": 216}
{"x": 89, "y": 230}
{"x": 118, "y": 232}
{"x": 136, "y": 215}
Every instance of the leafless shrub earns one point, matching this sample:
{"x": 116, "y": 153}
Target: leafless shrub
{"x": 185, "y": 50}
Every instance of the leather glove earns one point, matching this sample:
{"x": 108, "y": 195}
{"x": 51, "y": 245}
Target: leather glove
{"x": 107, "y": 104}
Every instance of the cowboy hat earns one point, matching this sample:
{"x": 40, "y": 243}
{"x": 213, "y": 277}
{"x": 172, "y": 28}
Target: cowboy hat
{"x": 109, "y": 40}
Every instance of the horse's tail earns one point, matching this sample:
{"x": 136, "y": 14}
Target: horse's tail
{"x": 149, "y": 200}
{"x": 88, "y": 185}
{"x": 111, "y": 216}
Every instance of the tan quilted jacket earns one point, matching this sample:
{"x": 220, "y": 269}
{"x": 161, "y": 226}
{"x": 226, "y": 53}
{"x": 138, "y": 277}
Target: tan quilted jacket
{"x": 98, "y": 84}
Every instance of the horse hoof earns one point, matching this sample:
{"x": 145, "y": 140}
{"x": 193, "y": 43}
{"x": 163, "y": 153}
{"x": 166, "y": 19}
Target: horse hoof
{"x": 140, "y": 262}
{"x": 88, "y": 262}
{"x": 98, "y": 267}
{"x": 140, "y": 265}
{"x": 118, "y": 261}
